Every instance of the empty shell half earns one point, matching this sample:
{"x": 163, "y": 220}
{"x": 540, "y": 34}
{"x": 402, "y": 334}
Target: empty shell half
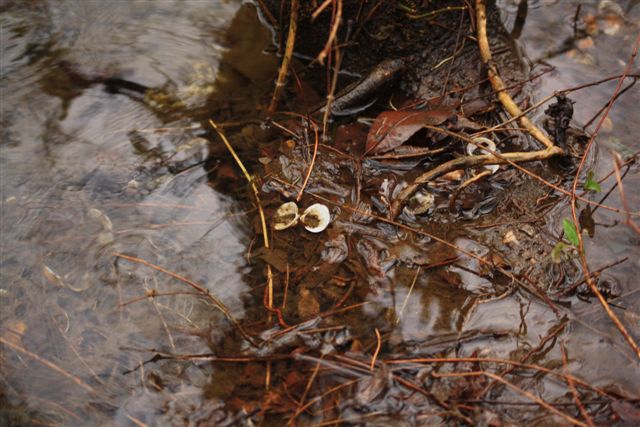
{"x": 485, "y": 143}
{"x": 286, "y": 216}
{"x": 420, "y": 203}
{"x": 316, "y": 218}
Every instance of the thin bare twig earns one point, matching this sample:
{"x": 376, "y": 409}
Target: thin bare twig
{"x": 256, "y": 194}
{"x": 574, "y": 214}
{"x": 617, "y": 164}
{"x": 286, "y": 59}
{"x": 48, "y": 364}
{"x": 313, "y": 161}
{"x": 375, "y": 353}
{"x": 574, "y": 392}
{"x": 205, "y": 292}
{"x": 413, "y": 283}
{"x": 335, "y": 24}
{"x": 517, "y": 389}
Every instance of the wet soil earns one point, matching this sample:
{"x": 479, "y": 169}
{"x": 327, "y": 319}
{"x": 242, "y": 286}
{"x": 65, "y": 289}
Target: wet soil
{"x": 120, "y": 198}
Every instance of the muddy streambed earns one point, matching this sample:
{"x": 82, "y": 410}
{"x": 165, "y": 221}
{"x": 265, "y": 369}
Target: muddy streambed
{"x": 122, "y": 208}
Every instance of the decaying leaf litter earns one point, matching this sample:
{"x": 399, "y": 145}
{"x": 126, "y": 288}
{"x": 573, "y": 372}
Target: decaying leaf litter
{"x": 398, "y": 309}
{"x": 436, "y": 187}
{"x": 421, "y": 169}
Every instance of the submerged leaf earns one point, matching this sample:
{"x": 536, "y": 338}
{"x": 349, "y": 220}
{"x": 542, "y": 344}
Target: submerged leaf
{"x": 570, "y": 231}
{"x": 586, "y": 221}
{"x": 277, "y": 258}
{"x": 393, "y": 128}
{"x": 308, "y": 305}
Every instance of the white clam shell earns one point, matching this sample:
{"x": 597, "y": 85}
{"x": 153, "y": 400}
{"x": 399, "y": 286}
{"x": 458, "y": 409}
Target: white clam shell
{"x": 286, "y": 216}
{"x": 316, "y": 218}
{"x": 484, "y": 142}
{"x": 420, "y": 203}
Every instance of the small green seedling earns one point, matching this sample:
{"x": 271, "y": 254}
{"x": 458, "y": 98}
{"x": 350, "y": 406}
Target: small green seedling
{"x": 571, "y": 232}
{"x": 591, "y": 184}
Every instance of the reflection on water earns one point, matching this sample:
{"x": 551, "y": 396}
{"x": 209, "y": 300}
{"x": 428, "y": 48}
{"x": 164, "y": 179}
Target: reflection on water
{"x": 88, "y": 172}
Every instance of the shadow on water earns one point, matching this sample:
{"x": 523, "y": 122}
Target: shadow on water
{"x": 106, "y": 149}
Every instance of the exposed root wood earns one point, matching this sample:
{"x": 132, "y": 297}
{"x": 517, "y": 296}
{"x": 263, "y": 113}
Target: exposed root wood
{"x": 286, "y": 59}
{"x": 497, "y": 83}
{"x": 510, "y": 106}
{"x": 466, "y": 162}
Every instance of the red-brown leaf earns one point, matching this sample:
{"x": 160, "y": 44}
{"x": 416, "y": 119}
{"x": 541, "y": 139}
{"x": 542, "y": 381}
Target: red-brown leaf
{"x": 393, "y": 128}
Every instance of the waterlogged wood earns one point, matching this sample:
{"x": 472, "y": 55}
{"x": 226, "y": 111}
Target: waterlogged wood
{"x": 391, "y": 129}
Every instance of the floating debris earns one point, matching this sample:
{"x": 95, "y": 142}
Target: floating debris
{"x": 286, "y": 216}
{"x": 316, "y": 218}
{"x": 420, "y": 203}
{"x": 484, "y": 143}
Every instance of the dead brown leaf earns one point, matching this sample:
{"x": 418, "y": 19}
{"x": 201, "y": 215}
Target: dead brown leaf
{"x": 393, "y": 128}
{"x": 308, "y": 305}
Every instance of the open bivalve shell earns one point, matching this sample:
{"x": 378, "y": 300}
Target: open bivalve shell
{"x": 420, "y": 203}
{"x": 286, "y": 216}
{"x": 484, "y": 142}
{"x": 316, "y": 218}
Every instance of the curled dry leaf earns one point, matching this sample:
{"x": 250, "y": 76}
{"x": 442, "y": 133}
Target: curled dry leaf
{"x": 286, "y": 216}
{"x": 393, "y": 128}
{"x": 316, "y": 218}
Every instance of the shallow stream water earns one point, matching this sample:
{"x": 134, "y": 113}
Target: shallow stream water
{"x": 90, "y": 168}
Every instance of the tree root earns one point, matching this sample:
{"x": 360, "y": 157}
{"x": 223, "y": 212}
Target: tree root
{"x": 509, "y": 105}
{"x": 286, "y": 59}
{"x": 465, "y": 162}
